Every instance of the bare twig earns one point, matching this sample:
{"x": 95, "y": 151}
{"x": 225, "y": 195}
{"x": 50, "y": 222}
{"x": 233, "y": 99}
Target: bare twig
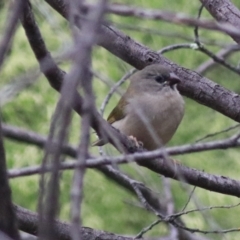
{"x": 178, "y": 18}
{"x": 222, "y": 54}
{"x": 84, "y": 45}
{"x": 8, "y": 222}
{"x": 29, "y": 137}
{"x": 10, "y": 90}
{"x": 58, "y": 129}
{"x": 28, "y": 222}
{"x": 176, "y": 47}
{"x": 169, "y": 34}
{"x": 12, "y": 21}
{"x": 224, "y": 11}
{"x": 221, "y": 61}
{"x": 114, "y": 88}
{"x": 148, "y": 228}
{"x": 189, "y": 198}
{"x": 183, "y": 212}
{"x": 217, "y": 133}
{"x": 196, "y": 230}
{"x": 171, "y": 169}
{"x": 194, "y": 86}
{"x": 204, "y": 50}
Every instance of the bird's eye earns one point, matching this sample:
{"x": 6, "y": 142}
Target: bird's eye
{"x": 160, "y": 79}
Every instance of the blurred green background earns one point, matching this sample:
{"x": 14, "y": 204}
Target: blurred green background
{"x": 107, "y": 206}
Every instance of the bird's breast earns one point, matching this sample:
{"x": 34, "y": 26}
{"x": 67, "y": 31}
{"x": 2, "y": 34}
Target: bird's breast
{"x": 152, "y": 118}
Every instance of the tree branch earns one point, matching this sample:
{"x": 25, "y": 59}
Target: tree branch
{"x": 222, "y": 54}
{"x": 10, "y": 28}
{"x": 8, "y": 223}
{"x": 224, "y": 12}
{"x": 166, "y": 167}
{"x": 28, "y": 222}
{"x": 199, "y": 88}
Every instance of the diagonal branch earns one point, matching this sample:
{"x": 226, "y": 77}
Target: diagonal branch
{"x": 209, "y": 64}
{"x": 8, "y": 223}
{"x": 194, "y": 86}
{"x": 10, "y": 28}
{"x": 171, "y": 169}
{"x": 28, "y": 222}
{"x": 84, "y": 45}
{"x": 55, "y": 76}
{"x": 224, "y": 11}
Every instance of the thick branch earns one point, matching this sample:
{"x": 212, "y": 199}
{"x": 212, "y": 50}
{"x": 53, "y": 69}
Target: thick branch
{"x": 153, "y": 14}
{"x": 8, "y": 224}
{"x": 55, "y": 77}
{"x": 12, "y": 22}
{"x": 28, "y": 222}
{"x": 224, "y": 12}
{"x": 199, "y": 88}
{"x": 168, "y": 168}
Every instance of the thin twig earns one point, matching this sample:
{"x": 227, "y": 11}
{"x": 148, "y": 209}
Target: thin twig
{"x": 152, "y": 31}
{"x": 176, "y": 215}
{"x": 189, "y": 198}
{"x": 222, "y": 54}
{"x": 11, "y": 26}
{"x": 176, "y": 47}
{"x": 147, "y": 229}
{"x": 98, "y": 161}
{"x": 114, "y": 88}
{"x": 84, "y": 46}
{"x": 179, "y": 18}
{"x": 202, "y": 49}
{"x": 217, "y": 133}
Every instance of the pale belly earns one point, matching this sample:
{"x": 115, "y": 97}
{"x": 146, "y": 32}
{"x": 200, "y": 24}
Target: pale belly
{"x": 153, "y": 119}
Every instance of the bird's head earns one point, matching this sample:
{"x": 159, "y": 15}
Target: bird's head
{"x": 156, "y": 77}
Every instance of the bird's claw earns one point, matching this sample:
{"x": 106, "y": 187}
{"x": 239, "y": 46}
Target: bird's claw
{"x": 137, "y": 143}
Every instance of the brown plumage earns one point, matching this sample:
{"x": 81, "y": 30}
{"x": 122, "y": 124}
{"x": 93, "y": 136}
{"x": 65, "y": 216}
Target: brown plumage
{"x": 151, "y": 109}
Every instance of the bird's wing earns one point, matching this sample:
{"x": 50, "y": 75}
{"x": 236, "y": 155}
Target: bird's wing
{"x": 118, "y": 112}
{"x": 116, "y": 115}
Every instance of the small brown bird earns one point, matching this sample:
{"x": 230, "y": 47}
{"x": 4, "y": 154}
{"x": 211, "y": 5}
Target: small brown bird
{"x": 151, "y": 109}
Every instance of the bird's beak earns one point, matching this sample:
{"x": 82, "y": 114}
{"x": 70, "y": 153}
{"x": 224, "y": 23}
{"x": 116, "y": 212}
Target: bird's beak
{"x": 174, "y": 79}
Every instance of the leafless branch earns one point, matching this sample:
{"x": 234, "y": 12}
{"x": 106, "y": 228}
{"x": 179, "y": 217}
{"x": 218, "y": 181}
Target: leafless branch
{"x": 170, "y": 169}
{"x": 11, "y": 26}
{"x": 23, "y": 136}
{"x": 10, "y": 90}
{"x": 148, "y": 228}
{"x": 224, "y": 12}
{"x": 204, "y": 209}
{"x": 8, "y": 223}
{"x": 179, "y": 18}
{"x": 114, "y": 88}
{"x": 113, "y": 174}
{"x": 222, "y": 54}
{"x": 194, "y": 86}
{"x": 170, "y": 34}
{"x": 84, "y": 45}
{"x": 28, "y": 222}
{"x": 219, "y": 132}
{"x": 199, "y": 88}
{"x": 204, "y": 50}
{"x": 189, "y": 198}
{"x": 55, "y": 77}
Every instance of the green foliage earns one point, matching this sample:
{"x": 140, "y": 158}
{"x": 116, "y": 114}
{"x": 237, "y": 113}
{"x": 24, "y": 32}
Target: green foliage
{"x": 107, "y": 206}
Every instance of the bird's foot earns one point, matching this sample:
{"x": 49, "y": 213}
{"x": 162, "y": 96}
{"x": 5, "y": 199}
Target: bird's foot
{"x": 137, "y": 143}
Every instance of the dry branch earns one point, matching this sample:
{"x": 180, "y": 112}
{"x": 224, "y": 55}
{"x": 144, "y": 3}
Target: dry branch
{"x": 224, "y": 12}
{"x": 199, "y": 88}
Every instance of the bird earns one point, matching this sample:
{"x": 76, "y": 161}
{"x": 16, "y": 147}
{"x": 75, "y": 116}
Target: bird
{"x": 151, "y": 109}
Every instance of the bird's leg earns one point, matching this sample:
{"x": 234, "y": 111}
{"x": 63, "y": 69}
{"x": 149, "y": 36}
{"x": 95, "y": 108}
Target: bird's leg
{"x": 136, "y": 142}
